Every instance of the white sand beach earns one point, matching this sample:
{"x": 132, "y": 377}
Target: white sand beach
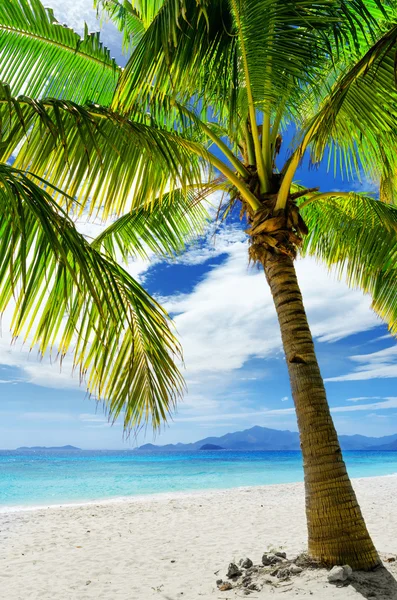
{"x": 176, "y": 547}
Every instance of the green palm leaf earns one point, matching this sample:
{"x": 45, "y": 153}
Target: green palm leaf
{"x": 163, "y": 229}
{"x": 198, "y": 48}
{"x": 40, "y": 57}
{"x": 356, "y": 122}
{"x": 104, "y": 160}
{"x": 67, "y": 296}
{"x": 183, "y": 52}
{"x": 358, "y": 235}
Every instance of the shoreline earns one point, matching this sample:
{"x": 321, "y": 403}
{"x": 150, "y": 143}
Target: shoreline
{"x": 161, "y": 496}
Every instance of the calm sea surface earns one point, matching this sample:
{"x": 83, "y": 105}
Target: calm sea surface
{"x": 44, "y": 478}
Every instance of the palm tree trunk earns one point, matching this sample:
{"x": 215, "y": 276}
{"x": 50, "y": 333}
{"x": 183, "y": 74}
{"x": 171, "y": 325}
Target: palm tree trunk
{"x": 337, "y": 531}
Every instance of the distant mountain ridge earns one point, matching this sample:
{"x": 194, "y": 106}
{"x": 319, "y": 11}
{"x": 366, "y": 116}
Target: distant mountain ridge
{"x": 261, "y": 438}
{"x": 391, "y": 447}
{"x": 48, "y": 448}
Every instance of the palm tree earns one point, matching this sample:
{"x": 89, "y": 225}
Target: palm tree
{"x": 201, "y": 106}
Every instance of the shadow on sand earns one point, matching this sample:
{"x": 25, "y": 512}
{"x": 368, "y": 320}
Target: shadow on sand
{"x": 375, "y": 585}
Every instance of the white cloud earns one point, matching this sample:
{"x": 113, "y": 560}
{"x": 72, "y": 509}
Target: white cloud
{"x": 381, "y": 364}
{"x": 284, "y": 399}
{"x": 222, "y": 322}
{"x": 229, "y": 317}
{"x": 74, "y": 13}
{"x": 212, "y": 244}
{"x": 361, "y": 398}
{"x": 380, "y": 338}
{"x": 376, "y": 416}
{"x": 385, "y": 404}
{"x": 34, "y": 370}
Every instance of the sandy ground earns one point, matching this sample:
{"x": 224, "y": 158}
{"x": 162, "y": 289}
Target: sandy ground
{"x": 173, "y": 548}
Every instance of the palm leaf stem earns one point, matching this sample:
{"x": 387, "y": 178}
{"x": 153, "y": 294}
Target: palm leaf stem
{"x": 266, "y": 148}
{"x": 275, "y": 128}
{"x": 250, "y": 145}
{"x": 290, "y": 171}
{"x": 263, "y": 176}
{"x": 237, "y": 164}
{"x": 232, "y": 177}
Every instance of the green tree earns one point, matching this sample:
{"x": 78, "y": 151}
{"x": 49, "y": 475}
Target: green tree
{"x": 202, "y": 105}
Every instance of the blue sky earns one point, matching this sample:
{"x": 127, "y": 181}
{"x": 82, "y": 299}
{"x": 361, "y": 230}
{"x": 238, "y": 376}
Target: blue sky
{"x": 235, "y": 370}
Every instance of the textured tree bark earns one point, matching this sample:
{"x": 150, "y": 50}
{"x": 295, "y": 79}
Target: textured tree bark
{"x": 337, "y": 531}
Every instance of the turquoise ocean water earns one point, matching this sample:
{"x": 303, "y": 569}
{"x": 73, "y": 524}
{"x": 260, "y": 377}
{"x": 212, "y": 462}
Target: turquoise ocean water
{"x": 44, "y": 478}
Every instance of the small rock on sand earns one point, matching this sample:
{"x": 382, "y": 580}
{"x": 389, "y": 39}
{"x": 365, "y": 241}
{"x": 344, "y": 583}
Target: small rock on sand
{"x": 253, "y": 587}
{"x": 233, "y": 571}
{"x": 348, "y": 571}
{"x": 246, "y": 563}
{"x": 283, "y": 573}
{"x": 271, "y": 559}
{"x": 338, "y": 573}
{"x": 224, "y": 587}
{"x": 246, "y": 581}
{"x": 252, "y": 570}
{"x": 295, "y": 570}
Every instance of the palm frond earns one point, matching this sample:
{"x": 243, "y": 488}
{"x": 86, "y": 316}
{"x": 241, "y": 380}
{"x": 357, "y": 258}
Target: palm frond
{"x": 67, "y": 296}
{"x": 131, "y": 18}
{"x": 358, "y": 236}
{"x": 356, "y": 122}
{"x": 103, "y": 160}
{"x": 189, "y": 49}
{"x": 163, "y": 229}
{"x": 194, "y": 49}
{"x": 40, "y": 57}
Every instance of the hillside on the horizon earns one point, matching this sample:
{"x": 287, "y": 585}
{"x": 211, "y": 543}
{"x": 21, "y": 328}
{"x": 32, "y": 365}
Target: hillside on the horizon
{"x": 262, "y": 438}
{"x": 391, "y": 447}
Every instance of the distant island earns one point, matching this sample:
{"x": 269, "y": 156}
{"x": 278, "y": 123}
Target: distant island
{"x": 211, "y": 447}
{"x": 48, "y": 448}
{"x": 273, "y": 440}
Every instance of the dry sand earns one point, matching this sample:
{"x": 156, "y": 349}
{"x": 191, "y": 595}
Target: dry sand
{"x": 175, "y": 547}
